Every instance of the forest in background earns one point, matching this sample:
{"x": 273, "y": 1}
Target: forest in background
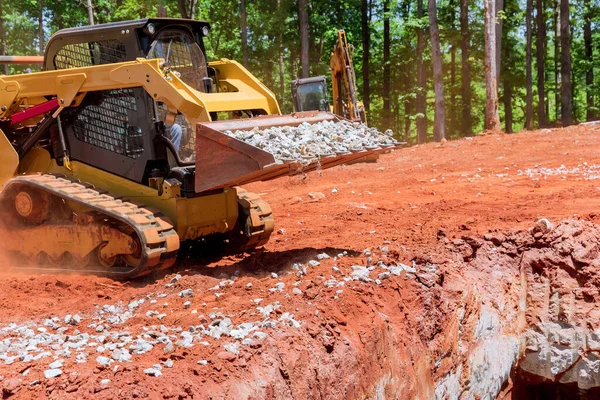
{"x": 422, "y": 69}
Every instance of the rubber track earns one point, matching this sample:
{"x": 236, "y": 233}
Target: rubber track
{"x": 261, "y": 220}
{"x": 158, "y": 239}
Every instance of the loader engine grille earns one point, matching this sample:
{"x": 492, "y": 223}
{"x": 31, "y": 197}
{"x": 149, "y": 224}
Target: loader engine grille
{"x": 88, "y": 54}
{"x": 103, "y": 121}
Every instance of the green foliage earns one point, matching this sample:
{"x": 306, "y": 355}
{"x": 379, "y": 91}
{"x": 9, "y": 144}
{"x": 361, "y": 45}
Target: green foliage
{"x": 274, "y": 47}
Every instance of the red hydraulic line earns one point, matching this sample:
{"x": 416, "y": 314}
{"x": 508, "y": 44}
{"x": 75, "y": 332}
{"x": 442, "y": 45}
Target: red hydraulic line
{"x": 31, "y": 112}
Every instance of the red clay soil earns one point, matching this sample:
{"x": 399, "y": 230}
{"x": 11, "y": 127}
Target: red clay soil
{"x": 368, "y": 341}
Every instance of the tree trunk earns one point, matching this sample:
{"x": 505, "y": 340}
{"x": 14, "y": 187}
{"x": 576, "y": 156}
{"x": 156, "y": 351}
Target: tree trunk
{"x": 407, "y": 121}
{"x": 303, "y": 30}
{"x": 90, "y": 10}
{"x": 281, "y": 79}
{"x": 492, "y": 122}
{"x": 244, "y": 33}
{"x": 41, "y": 25}
{"x": 556, "y": 61}
{"x": 294, "y": 70}
{"x": 589, "y": 74}
{"x": 540, "y": 53}
{"x": 386, "y": 65}
{"x": 452, "y": 123}
{"x": 528, "y": 62}
{"x": 366, "y": 44}
{"x": 3, "y": 49}
{"x": 421, "y": 90}
{"x": 59, "y": 16}
{"x": 439, "y": 121}
{"x": 508, "y": 116}
{"x": 467, "y": 128}
{"x": 183, "y": 10}
{"x": 193, "y": 4}
{"x": 573, "y": 90}
{"x": 281, "y": 65}
{"x": 498, "y": 24}
{"x": 566, "y": 108}
{"x": 507, "y": 84}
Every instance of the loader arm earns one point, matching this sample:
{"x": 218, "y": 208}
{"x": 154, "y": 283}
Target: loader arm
{"x": 68, "y": 86}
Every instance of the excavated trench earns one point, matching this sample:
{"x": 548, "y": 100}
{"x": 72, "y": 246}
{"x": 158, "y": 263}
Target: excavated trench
{"x": 521, "y": 319}
{"x": 510, "y": 315}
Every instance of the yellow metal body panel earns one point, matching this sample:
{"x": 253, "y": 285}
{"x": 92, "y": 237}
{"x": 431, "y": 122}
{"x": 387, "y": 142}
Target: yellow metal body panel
{"x": 240, "y": 90}
{"x": 10, "y": 160}
{"x": 191, "y": 217}
{"x": 148, "y": 74}
{"x": 243, "y": 90}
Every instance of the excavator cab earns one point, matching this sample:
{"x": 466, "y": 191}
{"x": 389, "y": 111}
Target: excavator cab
{"x": 310, "y": 94}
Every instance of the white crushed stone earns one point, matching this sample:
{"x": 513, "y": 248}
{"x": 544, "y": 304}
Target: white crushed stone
{"x": 360, "y": 273}
{"x": 307, "y": 142}
{"x": 152, "y": 372}
{"x": 186, "y": 293}
{"x": 583, "y": 171}
{"x": 52, "y": 373}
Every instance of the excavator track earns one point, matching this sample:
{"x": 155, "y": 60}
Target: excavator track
{"x": 255, "y": 223}
{"x": 58, "y": 224}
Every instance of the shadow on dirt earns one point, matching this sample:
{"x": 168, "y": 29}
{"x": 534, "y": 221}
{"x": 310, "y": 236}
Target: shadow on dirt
{"x": 258, "y": 264}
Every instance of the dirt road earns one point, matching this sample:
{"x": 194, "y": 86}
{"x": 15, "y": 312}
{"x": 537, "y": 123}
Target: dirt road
{"x": 307, "y": 317}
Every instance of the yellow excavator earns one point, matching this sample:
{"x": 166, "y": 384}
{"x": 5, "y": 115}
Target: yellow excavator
{"x": 115, "y": 156}
{"x": 311, "y": 93}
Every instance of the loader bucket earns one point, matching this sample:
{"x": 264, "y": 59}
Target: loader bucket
{"x": 223, "y": 161}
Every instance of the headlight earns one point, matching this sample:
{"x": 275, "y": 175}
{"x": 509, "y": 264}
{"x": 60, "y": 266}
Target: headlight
{"x": 205, "y": 30}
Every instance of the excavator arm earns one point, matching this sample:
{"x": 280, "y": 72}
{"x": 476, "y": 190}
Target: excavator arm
{"x": 343, "y": 81}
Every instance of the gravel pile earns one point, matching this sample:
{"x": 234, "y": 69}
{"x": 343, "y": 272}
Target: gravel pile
{"x": 307, "y": 142}
{"x": 104, "y": 340}
{"x": 585, "y": 171}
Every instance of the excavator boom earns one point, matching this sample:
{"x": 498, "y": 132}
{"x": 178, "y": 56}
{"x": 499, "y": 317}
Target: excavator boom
{"x": 343, "y": 80}
{"x": 310, "y": 94}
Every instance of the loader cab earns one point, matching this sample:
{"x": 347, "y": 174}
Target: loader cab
{"x": 115, "y": 42}
{"x": 310, "y": 94}
{"x": 117, "y": 130}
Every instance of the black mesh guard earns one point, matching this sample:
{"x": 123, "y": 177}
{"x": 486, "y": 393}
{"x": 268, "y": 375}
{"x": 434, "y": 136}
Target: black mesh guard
{"x": 102, "y": 120}
{"x": 89, "y": 54}
{"x": 183, "y": 55}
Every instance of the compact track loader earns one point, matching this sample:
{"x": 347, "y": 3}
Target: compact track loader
{"x": 115, "y": 154}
